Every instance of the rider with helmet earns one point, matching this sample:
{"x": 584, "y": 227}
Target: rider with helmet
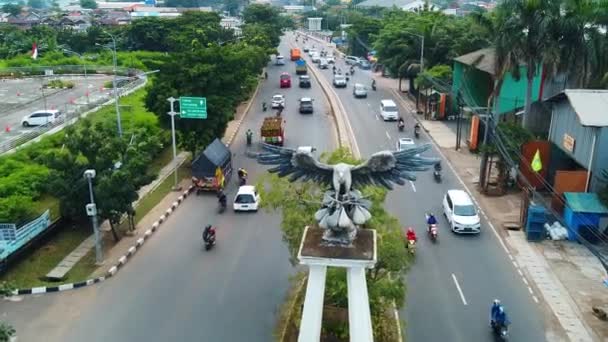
{"x": 209, "y": 233}
{"x": 430, "y": 220}
{"x": 411, "y": 234}
{"x": 242, "y": 175}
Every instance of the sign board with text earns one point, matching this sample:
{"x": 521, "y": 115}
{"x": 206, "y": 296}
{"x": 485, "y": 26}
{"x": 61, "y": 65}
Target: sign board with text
{"x": 193, "y": 107}
{"x": 568, "y": 143}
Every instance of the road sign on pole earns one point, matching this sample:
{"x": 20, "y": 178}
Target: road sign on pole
{"x": 193, "y": 107}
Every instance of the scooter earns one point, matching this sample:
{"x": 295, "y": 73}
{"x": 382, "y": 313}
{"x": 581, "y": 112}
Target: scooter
{"x": 411, "y": 246}
{"x": 417, "y": 131}
{"x": 210, "y": 242}
{"x": 401, "y": 126}
{"x": 500, "y": 330}
{"x": 431, "y": 230}
{"x": 242, "y": 180}
{"x": 374, "y": 86}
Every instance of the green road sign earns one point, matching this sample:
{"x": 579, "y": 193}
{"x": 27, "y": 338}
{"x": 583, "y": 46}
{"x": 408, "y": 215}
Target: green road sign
{"x": 193, "y": 107}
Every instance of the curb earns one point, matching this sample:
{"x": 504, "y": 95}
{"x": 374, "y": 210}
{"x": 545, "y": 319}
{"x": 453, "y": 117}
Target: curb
{"x": 247, "y": 108}
{"x": 121, "y": 261}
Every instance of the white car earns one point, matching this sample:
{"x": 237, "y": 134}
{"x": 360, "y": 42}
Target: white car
{"x": 351, "y": 60}
{"x": 330, "y": 59}
{"x": 246, "y": 199}
{"x": 339, "y": 81}
{"x": 389, "y": 110}
{"x": 312, "y": 52}
{"x": 277, "y": 100}
{"x": 316, "y": 58}
{"x": 280, "y": 60}
{"x": 461, "y": 213}
{"x": 41, "y": 118}
{"x": 405, "y": 143}
{"x": 359, "y": 90}
{"x": 323, "y": 63}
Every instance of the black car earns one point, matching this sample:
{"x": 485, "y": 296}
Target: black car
{"x": 306, "y": 105}
{"x": 304, "y": 81}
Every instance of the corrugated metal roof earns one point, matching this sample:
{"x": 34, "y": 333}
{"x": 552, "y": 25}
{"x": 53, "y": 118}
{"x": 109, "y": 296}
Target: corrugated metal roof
{"x": 483, "y": 60}
{"x": 585, "y": 202}
{"x": 384, "y": 3}
{"x": 589, "y": 105}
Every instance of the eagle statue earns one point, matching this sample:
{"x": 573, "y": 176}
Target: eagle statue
{"x": 345, "y": 208}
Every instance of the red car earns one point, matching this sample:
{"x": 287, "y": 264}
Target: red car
{"x": 285, "y": 80}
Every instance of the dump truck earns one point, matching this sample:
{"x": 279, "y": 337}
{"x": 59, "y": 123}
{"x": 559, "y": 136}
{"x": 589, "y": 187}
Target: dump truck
{"x": 295, "y": 54}
{"x": 212, "y": 167}
{"x": 301, "y": 67}
{"x": 272, "y": 131}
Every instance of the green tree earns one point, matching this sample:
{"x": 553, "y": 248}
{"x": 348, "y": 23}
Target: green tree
{"x": 90, "y": 4}
{"x": 6, "y": 332}
{"x": 223, "y": 74}
{"x": 149, "y": 34}
{"x": 523, "y": 35}
{"x": 12, "y": 9}
{"x": 115, "y": 194}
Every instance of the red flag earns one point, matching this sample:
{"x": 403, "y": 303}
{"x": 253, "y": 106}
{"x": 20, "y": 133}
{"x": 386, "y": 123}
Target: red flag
{"x": 34, "y": 51}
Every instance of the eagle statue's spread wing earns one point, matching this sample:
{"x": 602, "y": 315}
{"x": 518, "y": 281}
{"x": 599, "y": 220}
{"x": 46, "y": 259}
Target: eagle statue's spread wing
{"x": 297, "y": 165}
{"x": 388, "y": 167}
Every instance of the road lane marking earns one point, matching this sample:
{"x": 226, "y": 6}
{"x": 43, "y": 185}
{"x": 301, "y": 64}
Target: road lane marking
{"x": 535, "y": 299}
{"x": 387, "y": 135}
{"x": 413, "y": 186}
{"x": 464, "y": 301}
{"x": 530, "y": 290}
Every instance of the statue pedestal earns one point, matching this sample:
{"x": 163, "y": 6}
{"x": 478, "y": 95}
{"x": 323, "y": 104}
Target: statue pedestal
{"x": 355, "y": 258}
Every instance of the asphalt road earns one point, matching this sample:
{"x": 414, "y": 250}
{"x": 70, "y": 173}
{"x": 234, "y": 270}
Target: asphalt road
{"x": 435, "y": 309}
{"x": 23, "y": 96}
{"x": 173, "y": 290}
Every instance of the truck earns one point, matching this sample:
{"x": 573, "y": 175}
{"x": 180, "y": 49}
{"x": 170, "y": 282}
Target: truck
{"x": 301, "y": 67}
{"x": 272, "y": 131}
{"x": 295, "y": 54}
{"x": 212, "y": 167}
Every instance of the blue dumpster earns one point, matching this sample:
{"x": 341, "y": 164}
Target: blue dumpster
{"x": 535, "y": 229}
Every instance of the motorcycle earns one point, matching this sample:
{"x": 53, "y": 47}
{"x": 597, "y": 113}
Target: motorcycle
{"x": 437, "y": 173}
{"x": 431, "y": 230}
{"x": 223, "y": 202}
{"x": 264, "y": 107}
{"x": 417, "y": 131}
{"x": 242, "y": 180}
{"x": 401, "y": 126}
{"x": 374, "y": 86}
{"x": 500, "y": 330}
{"x": 210, "y": 241}
{"x": 411, "y": 246}
{"x": 249, "y": 135}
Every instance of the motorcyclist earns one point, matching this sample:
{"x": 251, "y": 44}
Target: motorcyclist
{"x": 438, "y": 166}
{"x": 411, "y": 235}
{"x": 209, "y": 233}
{"x": 494, "y": 309}
{"x": 374, "y": 84}
{"x": 431, "y": 219}
{"x": 221, "y": 196}
{"x": 242, "y": 175}
{"x": 499, "y": 319}
{"x": 401, "y": 123}
{"x": 249, "y": 136}
{"x": 264, "y": 106}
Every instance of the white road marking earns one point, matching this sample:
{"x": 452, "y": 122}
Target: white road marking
{"x": 387, "y": 135}
{"x": 535, "y": 299}
{"x": 526, "y": 281}
{"x": 413, "y": 186}
{"x": 464, "y": 301}
{"x": 530, "y": 290}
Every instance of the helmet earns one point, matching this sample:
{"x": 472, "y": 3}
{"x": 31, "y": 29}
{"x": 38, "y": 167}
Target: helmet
{"x": 410, "y": 230}
{"x": 208, "y": 226}
{"x": 496, "y": 302}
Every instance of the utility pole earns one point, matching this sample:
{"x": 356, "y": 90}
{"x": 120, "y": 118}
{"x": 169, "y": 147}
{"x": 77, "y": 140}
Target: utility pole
{"x": 172, "y": 113}
{"x": 91, "y": 209}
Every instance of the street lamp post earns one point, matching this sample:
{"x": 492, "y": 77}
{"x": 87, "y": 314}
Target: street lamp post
{"x": 91, "y": 209}
{"x": 173, "y": 113}
{"x": 114, "y": 62}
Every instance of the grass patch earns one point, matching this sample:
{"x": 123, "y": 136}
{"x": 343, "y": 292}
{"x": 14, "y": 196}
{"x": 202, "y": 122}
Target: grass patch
{"x": 32, "y": 269}
{"x": 48, "y": 202}
{"x": 163, "y": 159}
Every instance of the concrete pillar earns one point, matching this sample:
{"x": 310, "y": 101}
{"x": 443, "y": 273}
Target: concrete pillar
{"x": 359, "y": 316}
{"x": 312, "y": 317}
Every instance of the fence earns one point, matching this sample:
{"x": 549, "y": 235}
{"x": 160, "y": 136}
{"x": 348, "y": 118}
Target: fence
{"x": 13, "y": 238}
{"x": 20, "y": 72}
{"x": 71, "y": 114}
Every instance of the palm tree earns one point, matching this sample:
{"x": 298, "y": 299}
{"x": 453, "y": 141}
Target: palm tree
{"x": 524, "y": 35}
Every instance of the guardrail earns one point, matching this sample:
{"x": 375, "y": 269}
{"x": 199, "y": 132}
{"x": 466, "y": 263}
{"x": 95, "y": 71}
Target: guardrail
{"x": 71, "y": 114}
{"x": 20, "y": 72}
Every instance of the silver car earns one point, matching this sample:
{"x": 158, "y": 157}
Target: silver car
{"x": 359, "y": 90}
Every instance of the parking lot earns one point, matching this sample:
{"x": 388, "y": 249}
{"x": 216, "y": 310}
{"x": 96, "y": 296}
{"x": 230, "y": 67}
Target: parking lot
{"x": 21, "y": 97}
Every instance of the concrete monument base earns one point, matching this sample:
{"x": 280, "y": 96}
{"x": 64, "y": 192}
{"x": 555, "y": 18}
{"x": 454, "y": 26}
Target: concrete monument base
{"x": 318, "y": 255}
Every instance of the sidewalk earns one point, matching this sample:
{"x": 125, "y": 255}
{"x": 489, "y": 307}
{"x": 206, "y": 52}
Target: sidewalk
{"x": 563, "y": 277}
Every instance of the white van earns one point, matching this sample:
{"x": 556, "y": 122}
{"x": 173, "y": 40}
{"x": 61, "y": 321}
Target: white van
{"x": 388, "y": 110}
{"x": 280, "y": 60}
